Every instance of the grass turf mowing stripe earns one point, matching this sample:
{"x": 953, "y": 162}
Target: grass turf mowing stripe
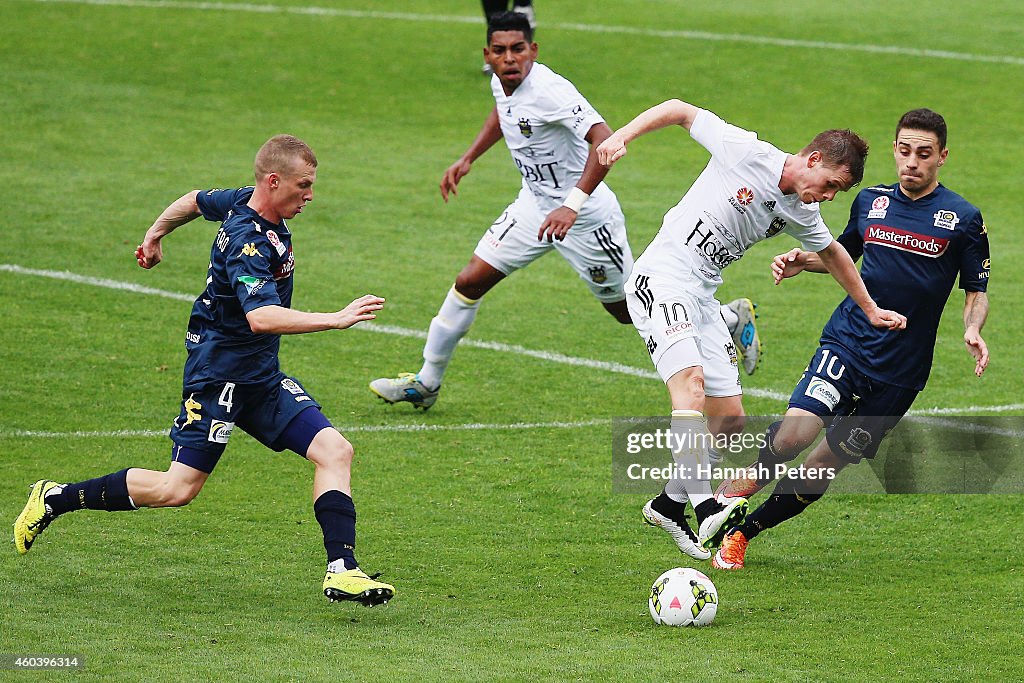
{"x": 501, "y": 347}
{"x": 706, "y": 36}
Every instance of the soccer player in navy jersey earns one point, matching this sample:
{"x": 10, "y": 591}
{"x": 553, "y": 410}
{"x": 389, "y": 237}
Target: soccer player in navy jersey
{"x": 916, "y": 238}
{"x": 232, "y": 375}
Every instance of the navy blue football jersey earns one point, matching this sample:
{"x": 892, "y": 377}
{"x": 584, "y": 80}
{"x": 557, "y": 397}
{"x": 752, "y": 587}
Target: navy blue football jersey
{"x": 913, "y": 252}
{"x": 251, "y": 264}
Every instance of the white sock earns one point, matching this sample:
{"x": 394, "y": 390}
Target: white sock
{"x": 446, "y": 329}
{"x": 731, "y": 318}
{"x": 691, "y": 428}
{"x": 675, "y": 490}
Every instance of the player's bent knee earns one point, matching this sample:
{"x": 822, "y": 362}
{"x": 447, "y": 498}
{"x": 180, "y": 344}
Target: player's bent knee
{"x": 176, "y": 493}
{"x": 331, "y": 450}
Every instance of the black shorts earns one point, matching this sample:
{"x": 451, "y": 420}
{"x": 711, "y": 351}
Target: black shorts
{"x": 208, "y": 416}
{"x": 858, "y": 411}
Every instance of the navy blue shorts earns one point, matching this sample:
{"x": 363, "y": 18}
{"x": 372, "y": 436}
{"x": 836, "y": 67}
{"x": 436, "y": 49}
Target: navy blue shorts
{"x": 208, "y": 417}
{"x": 858, "y": 411}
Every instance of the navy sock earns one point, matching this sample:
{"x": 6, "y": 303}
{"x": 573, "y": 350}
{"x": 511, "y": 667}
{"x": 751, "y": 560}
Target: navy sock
{"x": 337, "y": 516}
{"x": 784, "y": 503}
{"x": 767, "y": 458}
{"x": 109, "y": 492}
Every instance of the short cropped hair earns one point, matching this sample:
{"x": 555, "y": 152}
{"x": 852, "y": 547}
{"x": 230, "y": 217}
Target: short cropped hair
{"x": 509, "y": 21}
{"x": 281, "y": 154}
{"x": 839, "y": 148}
{"x": 927, "y": 120}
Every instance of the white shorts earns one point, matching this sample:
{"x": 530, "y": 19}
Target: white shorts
{"x": 598, "y": 252}
{"x": 666, "y": 312}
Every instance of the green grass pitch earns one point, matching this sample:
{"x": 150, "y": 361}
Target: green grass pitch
{"x": 512, "y": 558}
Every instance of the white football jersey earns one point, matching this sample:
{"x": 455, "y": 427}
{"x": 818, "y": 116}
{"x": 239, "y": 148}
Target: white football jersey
{"x": 545, "y": 122}
{"x": 734, "y": 203}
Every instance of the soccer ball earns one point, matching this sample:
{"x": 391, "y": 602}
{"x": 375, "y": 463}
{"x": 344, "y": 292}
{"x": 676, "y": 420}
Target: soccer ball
{"x": 683, "y": 597}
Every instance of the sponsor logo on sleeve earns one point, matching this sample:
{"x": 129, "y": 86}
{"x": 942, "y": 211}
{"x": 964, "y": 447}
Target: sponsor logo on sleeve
{"x": 275, "y": 241}
{"x": 220, "y": 431}
{"x": 878, "y": 208}
{"x": 904, "y": 240}
{"x": 823, "y": 391}
{"x": 946, "y": 219}
{"x": 252, "y": 284}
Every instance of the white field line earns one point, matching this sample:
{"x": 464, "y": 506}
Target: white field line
{"x": 705, "y": 36}
{"x": 468, "y": 427}
{"x": 551, "y": 356}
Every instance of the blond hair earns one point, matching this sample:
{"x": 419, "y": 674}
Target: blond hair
{"x": 281, "y": 154}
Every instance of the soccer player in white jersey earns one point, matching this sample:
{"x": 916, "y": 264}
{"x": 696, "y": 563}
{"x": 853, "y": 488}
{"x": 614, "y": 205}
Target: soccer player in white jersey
{"x": 749, "y": 191}
{"x": 550, "y": 130}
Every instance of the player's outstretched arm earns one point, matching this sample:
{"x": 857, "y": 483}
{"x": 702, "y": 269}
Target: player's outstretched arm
{"x": 485, "y": 139}
{"x": 975, "y": 314}
{"x": 558, "y": 222}
{"x": 181, "y": 211}
{"x": 838, "y": 262}
{"x": 670, "y": 113}
{"x": 281, "y": 320}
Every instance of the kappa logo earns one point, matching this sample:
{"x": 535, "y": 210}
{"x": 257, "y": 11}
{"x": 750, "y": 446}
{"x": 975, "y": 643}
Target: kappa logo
{"x": 193, "y": 408}
{"x": 904, "y": 240}
{"x": 525, "y": 128}
{"x": 598, "y": 275}
{"x": 946, "y": 219}
{"x": 220, "y": 431}
{"x": 769, "y": 205}
{"x": 251, "y": 250}
{"x": 878, "y": 208}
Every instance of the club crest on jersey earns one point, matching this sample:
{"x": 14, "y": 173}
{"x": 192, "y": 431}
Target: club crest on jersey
{"x": 598, "y": 275}
{"x": 777, "y": 226}
{"x": 525, "y": 128}
{"x": 276, "y": 242}
{"x": 946, "y": 219}
{"x": 878, "y": 208}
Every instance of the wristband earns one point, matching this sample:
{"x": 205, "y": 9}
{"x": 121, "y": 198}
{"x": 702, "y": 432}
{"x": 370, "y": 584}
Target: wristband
{"x": 575, "y": 199}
